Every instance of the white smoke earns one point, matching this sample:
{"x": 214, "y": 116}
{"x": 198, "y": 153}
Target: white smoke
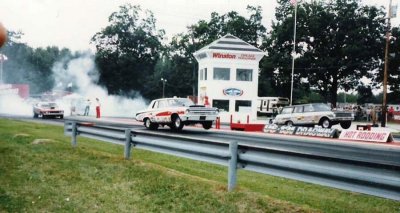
{"x": 79, "y": 75}
{"x": 82, "y": 74}
{"x": 12, "y": 104}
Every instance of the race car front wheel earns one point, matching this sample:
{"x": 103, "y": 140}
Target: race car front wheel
{"x": 150, "y": 125}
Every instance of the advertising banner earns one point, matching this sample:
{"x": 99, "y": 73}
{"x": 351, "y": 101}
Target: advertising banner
{"x": 302, "y": 131}
{"x": 373, "y": 136}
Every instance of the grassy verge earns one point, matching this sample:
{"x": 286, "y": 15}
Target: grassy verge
{"x": 40, "y": 172}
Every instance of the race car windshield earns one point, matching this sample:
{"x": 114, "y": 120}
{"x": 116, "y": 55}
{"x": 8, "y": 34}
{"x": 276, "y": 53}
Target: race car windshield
{"x": 321, "y": 107}
{"x": 49, "y": 105}
{"x": 180, "y": 102}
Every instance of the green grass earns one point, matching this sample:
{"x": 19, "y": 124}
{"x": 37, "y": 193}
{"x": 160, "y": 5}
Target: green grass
{"x": 41, "y": 172}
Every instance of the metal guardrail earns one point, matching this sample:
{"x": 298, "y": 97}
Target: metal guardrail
{"x": 369, "y": 177}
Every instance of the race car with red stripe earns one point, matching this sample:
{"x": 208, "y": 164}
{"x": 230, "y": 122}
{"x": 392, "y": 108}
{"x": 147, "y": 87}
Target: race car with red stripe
{"x": 47, "y": 109}
{"x": 176, "y": 113}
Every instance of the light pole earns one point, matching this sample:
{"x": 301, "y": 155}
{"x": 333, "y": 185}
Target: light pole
{"x": 294, "y": 49}
{"x": 164, "y": 81}
{"x": 383, "y": 117}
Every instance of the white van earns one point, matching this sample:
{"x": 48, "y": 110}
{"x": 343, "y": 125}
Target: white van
{"x": 269, "y": 106}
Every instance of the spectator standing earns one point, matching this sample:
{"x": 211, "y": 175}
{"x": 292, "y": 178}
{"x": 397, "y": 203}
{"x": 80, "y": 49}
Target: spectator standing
{"x": 373, "y": 116}
{"x": 391, "y": 112}
{"x": 98, "y": 108}
{"x": 87, "y": 108}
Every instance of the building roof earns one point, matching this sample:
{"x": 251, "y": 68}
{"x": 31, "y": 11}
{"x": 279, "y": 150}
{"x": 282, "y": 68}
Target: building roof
{"x": 230, "y": 42}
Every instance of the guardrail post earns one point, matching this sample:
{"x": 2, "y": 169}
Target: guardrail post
{"x": 128, "y": 143}
{"x": 74, "y": 133}
{"x": 233, "y": 151}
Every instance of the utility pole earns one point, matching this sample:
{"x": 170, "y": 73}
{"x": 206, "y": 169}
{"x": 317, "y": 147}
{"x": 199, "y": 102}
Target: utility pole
{"x": 384, "y": 104}
{"x": 294, "y": 49}
{"x": 194, "y": 70}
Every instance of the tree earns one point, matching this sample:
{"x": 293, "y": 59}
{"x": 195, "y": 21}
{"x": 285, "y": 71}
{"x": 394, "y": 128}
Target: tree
{"x": 364, "y": 94}
{"x": 337, "y": 43}
{"x": 394, "y": 65}
{"x": 31, "y": 66}
{"x": 128, "y": 50}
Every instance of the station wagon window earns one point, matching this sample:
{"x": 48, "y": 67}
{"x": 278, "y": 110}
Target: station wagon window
{"x": 308, "y": 108}
{"x": 201, "y": 74}
{"x": 205, "y": 74}
{"x": 244, "y": 75}
{"x": 287, "y": 110}
{"x": 321, "y": 108}
{"x": 221, "y": 74}
{"x": 240, "y": 103}
{"x": 298, "y": 109}
{"x": 222, "y": 105}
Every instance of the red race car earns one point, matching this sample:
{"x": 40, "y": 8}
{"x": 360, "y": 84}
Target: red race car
{"x": 47, "y": 109}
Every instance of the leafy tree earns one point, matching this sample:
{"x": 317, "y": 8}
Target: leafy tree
{"x": 365, "y": 94}
{"x": 337, "y": 43}
{"x": 26, "y": 65}
{"x": 394, "y": 65}
{"x": 128, "y": 50}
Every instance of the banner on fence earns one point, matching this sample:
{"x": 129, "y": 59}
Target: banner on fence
{"x": 302, "y": 131}
{"x": 373, "y": 136}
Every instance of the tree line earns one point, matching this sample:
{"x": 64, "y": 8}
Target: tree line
{"x": 338, "y": 42}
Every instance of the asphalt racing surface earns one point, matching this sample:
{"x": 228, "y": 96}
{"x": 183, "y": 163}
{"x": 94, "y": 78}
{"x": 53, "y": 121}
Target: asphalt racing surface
{"x": 224, "y": 134}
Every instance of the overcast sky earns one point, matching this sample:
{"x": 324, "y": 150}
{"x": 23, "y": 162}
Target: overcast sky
{"x": 72, "y": 23}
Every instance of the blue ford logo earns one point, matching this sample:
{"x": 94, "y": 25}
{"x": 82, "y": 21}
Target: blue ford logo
{"x": 233, "y": 92}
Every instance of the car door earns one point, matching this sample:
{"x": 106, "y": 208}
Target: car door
{"x": 308, "y": 114}
{"x": 298, "y": 117}
{"x": 284, "y": 116}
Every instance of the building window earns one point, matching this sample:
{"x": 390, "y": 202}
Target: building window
{"x": 221, "y": 74}
{"x": 222, "y": 105}
{"x": 205, "y": 74}
{"x": 241, "y": 103}
{"x": 244, "y": 75}
{"x": 201, "y": 74}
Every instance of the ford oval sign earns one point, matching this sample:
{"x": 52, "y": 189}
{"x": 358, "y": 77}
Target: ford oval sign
{"x": 233, "y": 92}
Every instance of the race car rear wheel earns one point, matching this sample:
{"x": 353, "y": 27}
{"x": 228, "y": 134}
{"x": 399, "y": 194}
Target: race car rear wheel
{"x": 35, "y": 115}
{"x": 325, "y": 123}
{"x": 150, "y": 125}
{"x": 207, "y": 124}
{"x": 177, "y": 123}
{"x": 289, "y": 123}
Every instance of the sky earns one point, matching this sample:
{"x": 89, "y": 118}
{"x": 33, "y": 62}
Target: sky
{"x": 72, "y": 23}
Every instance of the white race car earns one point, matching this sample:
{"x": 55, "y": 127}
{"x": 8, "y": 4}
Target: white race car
{"x": 175, "y": 113}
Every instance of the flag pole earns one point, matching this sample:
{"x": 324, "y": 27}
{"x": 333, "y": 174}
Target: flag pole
{"x": 293, "y": 51}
